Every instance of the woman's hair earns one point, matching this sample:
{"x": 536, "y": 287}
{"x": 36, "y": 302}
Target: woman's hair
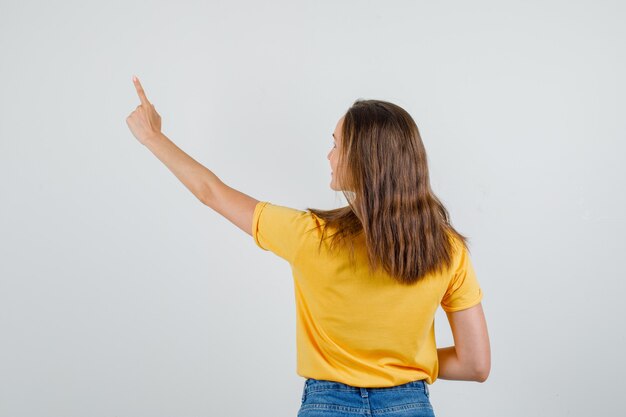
{"x": 384, "y": 177}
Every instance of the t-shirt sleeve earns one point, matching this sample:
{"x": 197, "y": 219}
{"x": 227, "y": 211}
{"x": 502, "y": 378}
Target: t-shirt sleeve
{"x": 463, "y": 290}
{"x": 280, "y": 229}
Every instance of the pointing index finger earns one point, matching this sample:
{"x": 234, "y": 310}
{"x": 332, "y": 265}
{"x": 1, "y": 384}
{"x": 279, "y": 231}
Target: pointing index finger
{"x": 140, "y": 92}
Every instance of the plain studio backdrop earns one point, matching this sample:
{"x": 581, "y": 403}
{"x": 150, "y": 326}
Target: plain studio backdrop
{"x": 122, "y": 295}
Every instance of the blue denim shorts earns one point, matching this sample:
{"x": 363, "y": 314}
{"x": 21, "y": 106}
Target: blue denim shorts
{"x": 322, "y": 398}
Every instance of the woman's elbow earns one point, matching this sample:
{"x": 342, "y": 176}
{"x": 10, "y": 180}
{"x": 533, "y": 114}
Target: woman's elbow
{"x": 482, "y": 372}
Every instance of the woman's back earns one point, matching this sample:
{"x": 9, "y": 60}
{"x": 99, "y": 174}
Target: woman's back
{"x": 352, "y": 326}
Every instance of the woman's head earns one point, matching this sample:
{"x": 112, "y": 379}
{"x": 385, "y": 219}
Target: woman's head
{"x": 377, "y": 146}
{"x": 379, "y": 162}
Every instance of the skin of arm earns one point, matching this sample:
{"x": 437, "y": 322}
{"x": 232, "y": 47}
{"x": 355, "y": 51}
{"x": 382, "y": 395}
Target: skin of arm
{"x": 234, "y": 205}
{"x": 470, "y": 357}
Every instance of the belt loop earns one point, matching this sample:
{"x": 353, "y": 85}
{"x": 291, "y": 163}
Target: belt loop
{"x": 426, "y": 390}
{"x": 304, "y": 391}
{"x": 363, "y": 392}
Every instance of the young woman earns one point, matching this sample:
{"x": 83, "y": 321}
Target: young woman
{"x": 368, "y": 277}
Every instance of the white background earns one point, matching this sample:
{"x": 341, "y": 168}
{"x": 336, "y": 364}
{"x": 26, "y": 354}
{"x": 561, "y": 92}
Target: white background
{"x": 122, "y": 295}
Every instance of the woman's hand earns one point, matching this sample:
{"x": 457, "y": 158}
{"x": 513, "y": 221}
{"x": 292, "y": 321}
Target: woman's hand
{"x": 144, "y": 122}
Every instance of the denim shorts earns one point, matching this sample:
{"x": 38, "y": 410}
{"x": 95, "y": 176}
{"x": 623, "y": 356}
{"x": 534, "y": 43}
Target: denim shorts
{"x": 322, "y": 398}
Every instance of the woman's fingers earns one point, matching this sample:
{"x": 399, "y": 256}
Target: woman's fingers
{"x": 140, "y": 92}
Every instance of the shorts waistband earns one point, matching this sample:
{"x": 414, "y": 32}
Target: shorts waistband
{"x": 315, "y": 384}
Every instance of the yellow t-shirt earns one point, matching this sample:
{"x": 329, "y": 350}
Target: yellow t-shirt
{"x": 361, "y": 329}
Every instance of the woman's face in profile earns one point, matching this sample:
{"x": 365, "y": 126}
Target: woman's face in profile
{"x": 334, "y": 154}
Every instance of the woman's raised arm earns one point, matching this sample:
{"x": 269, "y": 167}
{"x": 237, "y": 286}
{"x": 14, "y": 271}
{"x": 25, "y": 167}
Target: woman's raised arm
{"x": 145, "y": 124}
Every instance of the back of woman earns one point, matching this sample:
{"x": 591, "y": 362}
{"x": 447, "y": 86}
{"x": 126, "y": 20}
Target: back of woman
{"x": 368, "y": 277}
{"x": 355, "y": 326}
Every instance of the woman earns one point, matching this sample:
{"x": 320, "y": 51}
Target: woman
{"x": 368, "y": 277}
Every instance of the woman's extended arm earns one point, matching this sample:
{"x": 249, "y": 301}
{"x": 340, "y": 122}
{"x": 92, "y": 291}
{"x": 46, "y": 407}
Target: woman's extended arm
{"x": 145, "y": 124}
{"x": 204, "y": 184}
{"x": 196, "y": 177}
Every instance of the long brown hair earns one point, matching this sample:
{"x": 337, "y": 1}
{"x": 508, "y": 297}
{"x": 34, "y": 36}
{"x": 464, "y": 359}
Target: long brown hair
{"x": 385, "y": 180}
